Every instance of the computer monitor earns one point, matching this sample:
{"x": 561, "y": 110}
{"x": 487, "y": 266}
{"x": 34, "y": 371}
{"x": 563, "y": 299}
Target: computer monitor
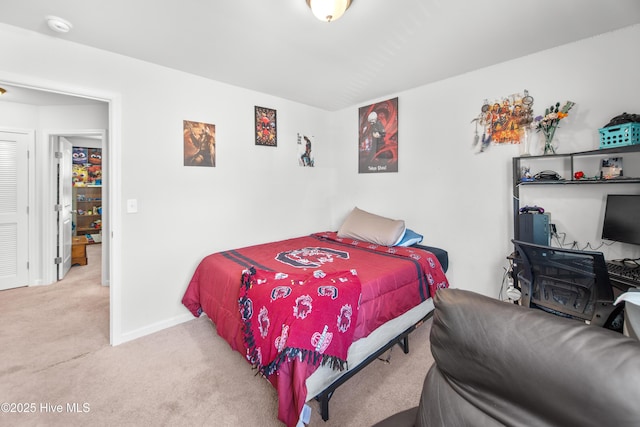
{"x": 621, "y": 215}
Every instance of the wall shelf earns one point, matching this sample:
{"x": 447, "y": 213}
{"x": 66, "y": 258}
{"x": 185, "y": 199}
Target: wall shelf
{"x": 571, "y": 158}
{"x": 582, "y": 181}
{"x": 87, "y": 200}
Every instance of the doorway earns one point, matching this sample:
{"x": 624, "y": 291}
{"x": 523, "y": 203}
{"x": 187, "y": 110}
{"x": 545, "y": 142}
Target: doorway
{"x": 81, "y": 195}
{"x": 42, "y": 192}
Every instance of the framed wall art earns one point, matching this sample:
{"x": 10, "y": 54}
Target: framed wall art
{"x": 266, "y": 126}
{"x": 378, "y": 137}
{"x": 199, "y": 140}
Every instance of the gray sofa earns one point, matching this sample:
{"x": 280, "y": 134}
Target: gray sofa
{"x": 499, "y": 364}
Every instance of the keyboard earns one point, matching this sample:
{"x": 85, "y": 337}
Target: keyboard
{"x": 623, "y": 273}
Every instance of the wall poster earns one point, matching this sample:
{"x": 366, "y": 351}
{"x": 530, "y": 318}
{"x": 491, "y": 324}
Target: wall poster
{"x": 378, "y": 137}
{"x": 266, "y": 127}
{"x": 504, "y": 121}
{"x": 305, "y": 154}
{"x": 87, "y": 166}
{"x": 199, "y": 140}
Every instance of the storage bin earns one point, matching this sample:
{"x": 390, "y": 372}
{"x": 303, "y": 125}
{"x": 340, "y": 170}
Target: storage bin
{"x": 620, "y": 135}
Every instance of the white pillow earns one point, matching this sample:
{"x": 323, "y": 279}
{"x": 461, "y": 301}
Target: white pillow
{"x": 368, "y": 227}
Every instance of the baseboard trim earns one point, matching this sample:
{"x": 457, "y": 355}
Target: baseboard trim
{"x": 153, "y": 328}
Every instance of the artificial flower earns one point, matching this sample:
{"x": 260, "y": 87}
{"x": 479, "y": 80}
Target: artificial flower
{"x": 548, "y": 123}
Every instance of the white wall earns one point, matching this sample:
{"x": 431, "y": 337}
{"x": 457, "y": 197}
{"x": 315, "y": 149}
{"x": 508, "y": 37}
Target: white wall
{"x": 254, "y": 194}
{"x": 459, "y": 200}
{"x": 18, "y": 116}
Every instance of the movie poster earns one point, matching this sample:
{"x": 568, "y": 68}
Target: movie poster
{"x": 266, "y": 126}
{"x": 378, "y": 137}
{"x": 199, "y": 140}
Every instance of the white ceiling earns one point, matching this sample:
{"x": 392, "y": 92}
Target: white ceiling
{"x": 378, "y": 48}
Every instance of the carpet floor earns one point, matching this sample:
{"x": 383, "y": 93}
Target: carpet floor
{"x": 58, "y": 369}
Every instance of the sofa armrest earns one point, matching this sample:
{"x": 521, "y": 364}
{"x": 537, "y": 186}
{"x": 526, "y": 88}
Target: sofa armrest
{"x": 523, "y": 366}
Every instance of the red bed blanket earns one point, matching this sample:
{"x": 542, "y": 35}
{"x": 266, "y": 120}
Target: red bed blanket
{"x": 306, "y": 316}
{"x": 393, "y": 280}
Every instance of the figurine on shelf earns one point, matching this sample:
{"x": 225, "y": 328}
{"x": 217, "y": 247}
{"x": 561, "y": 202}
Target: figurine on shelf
{"x": 525, "y": 174}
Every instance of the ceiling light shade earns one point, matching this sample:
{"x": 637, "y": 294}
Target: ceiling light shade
{"x": 58, "y": 25}
{"x": 2, "y": 91}
{"x": 328, "y": 10}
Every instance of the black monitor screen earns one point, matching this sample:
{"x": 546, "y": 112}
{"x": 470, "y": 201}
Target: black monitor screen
{"x": 622, "y": 218}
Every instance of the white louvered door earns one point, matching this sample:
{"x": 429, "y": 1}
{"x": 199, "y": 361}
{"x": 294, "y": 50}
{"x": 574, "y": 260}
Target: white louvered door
{"x": 14, "y": 217}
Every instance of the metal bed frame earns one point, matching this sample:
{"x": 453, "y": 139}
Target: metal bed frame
{"x": 402, "y": 340}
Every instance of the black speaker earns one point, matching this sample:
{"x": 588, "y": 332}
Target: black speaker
{"x": 534, "y": 228}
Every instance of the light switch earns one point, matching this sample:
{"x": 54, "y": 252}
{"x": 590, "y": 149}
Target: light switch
{"x": 132, "y": 205}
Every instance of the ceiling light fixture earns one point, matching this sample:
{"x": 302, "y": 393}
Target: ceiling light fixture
{"x": 2, "y": 91}
{"x": 58, "y": 25}
{"x": 328, "y": 10}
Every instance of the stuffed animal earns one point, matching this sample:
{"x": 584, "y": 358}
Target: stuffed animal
{"x": 95, "y": 156}
{"x": 94, "y": 174}
{"x": 79, "y": 155}
{"x": 80, "y": 175}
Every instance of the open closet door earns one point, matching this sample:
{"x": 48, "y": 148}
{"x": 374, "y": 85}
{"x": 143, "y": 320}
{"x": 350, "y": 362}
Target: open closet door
{"x": 65, "y": 205}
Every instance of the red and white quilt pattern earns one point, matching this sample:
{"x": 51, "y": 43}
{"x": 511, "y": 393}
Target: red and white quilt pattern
{"x": 307, "y": 316}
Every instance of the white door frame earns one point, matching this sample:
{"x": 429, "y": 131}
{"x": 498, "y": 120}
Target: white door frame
{"x": 114, "y": 155}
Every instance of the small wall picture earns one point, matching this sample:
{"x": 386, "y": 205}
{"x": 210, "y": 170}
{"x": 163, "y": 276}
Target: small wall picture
{"x": 305, "y": 153}
{"x": 378, "y": 137}
{"x": 611, "y": 168}
{"x": 199, "y": 143}
{"x": 266, "y": 126}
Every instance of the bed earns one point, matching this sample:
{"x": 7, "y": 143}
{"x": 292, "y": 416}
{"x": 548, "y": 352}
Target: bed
{"x": 394, "y": 288}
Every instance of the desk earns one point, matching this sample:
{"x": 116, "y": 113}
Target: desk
{"x": 619, "y": 277}
{"x": 620, "y": 285}
{"x": 79, "y": 250}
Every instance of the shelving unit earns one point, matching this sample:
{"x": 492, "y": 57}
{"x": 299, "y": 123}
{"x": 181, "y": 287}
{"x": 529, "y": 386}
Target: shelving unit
{"x": 87, "y": 208}
{"x": 570, "y": 162}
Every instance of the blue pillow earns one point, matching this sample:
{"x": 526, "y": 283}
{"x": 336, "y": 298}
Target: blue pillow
{"x": 410, "y": 238}
{"x": 400, "y": 237}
